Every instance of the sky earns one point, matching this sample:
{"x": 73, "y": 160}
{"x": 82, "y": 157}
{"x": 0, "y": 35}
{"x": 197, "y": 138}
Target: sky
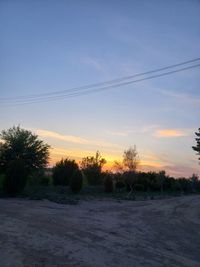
{"x": 47, "y": 46}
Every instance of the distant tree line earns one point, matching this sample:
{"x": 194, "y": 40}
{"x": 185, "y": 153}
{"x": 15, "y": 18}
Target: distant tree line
{"x": 23, "y": 159}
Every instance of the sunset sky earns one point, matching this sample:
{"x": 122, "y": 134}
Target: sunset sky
{"x": 47, "y": 46}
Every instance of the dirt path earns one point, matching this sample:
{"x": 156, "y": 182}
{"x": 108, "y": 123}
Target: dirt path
{"x": 100, "y": 233}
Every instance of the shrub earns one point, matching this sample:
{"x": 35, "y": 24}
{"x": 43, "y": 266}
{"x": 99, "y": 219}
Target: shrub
{"x": 92, "y": 169}
{"x": 76, "y": 181}
{"x": 93, "y": 175}
{"x": 119, "y": 181}
{"x": 108, "y": 183}
{"x": 39, "y": 177}
{"x": 63, "y": 171}
{"x": 15, "y": 178}
{"x": 139, "y": 187}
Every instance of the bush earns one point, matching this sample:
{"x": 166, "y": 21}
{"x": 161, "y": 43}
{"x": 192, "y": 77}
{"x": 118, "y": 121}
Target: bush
{"x": 108, "y": 183}
{"x": 76, "y": 182}
{"x": 63, "y": 171}
{"x": 39, "y": 177}
{"x": 15, "y": 178}
{"x": 93, "y": 175}
{"x": 119, "y": 181}
{"x": 92, "y": 169}
{"x": 139, "y": 187}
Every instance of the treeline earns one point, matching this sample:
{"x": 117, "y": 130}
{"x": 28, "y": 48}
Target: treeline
{"x": 23, "y": 160}
{"x": 131, "y": 180}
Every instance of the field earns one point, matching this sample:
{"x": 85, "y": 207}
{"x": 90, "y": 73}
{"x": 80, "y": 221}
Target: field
{"x": 100, "y": 232}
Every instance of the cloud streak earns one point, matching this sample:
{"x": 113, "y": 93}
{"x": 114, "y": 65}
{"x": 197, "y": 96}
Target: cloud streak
{"x": 75, "y": 139}
{"x": 67, "y": 138}
{"x": 170, "y": 133}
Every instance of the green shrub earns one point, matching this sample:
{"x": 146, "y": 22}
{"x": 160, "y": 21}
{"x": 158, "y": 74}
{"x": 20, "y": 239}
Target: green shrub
{"x": 63, "y": 171}
{"x": 76, "y": 181}
{"x": 15, "y": 178}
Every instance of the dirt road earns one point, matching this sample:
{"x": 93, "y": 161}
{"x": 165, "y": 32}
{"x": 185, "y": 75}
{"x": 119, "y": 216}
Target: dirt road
{"x": 100, "y": 233}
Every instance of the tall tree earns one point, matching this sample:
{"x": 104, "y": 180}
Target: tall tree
{"x": 197, "y": 147}
{"x": 131, "y": 159}
{"x": 21, "y": 153}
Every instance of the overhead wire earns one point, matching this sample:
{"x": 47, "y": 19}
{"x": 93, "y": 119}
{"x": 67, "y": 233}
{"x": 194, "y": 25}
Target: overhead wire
{"x": 88, "y": 89}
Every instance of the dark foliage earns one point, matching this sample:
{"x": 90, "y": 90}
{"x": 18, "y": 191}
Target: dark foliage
{"x": 76, "y": 181}
{"x": 119, "y": 181}
{"x": 92, "y": 169}
{"x": 15, "y": 178}
{"x": 24, "y": 145}
{"x": 63, "y": 171}
{"x": 108, "y": 182}
{"x": 39, "y": 177}
{"x": 197, "y": 147}
{"x": 21, "y": 154}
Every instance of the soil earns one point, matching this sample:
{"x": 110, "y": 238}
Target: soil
{"x": 100, "y": 233}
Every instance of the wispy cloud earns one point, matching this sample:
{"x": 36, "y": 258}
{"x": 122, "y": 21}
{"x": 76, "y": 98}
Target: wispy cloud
{"x": 170, "y": 133}
{"x": 67, "y": 138}
{"x": 128, "y": 131}
{"x": 76, "y": 139}
{"x": 188, "y": 98}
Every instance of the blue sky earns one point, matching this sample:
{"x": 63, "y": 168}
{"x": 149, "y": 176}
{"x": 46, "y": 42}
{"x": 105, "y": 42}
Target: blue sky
{"x": 47, "y": 46}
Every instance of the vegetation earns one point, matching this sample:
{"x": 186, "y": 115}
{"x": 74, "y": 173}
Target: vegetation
{"x": 23, "y": 158}
{"x": 197, "y": 147}
{"x": 21, "y": 154}
{"x": 108, "y": 182}
{"x": 92, "y": 168}
{"x": 63, "y": 171}
{"x": 76, "y": 181}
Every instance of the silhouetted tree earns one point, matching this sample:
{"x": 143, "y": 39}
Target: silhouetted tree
{"x": 92, "y": 168}
{"x": 197, "y": 147}
{"x": 131, "y": 159}
{"x": 63, "y": 171}
{"x": 21, "y": 153}
{"x": 194, "y": 182}
{"x": 15, "y": 179}
{"x": 161, "y": 180}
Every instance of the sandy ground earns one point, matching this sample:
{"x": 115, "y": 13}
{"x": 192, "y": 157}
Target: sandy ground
{"x": 100, "y": 233}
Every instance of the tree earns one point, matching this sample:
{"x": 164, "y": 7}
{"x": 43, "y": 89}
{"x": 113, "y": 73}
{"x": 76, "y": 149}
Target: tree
{"x": 63, "y": 171}
{"x": 197, "y": 147}
{"x": 92, "y": 168}
{"x": 15, "y": 178}
{"x": 22, "y": 152}
{"x": 131, "y": 159}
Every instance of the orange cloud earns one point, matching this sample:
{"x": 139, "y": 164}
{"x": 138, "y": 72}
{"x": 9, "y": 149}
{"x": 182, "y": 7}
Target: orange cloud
{"x": 170, "y": 133}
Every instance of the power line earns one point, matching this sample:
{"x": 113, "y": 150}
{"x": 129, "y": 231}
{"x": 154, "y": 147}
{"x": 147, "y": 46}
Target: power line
{"x": 92, "y": 90}
{"x": 100, "y": 84}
